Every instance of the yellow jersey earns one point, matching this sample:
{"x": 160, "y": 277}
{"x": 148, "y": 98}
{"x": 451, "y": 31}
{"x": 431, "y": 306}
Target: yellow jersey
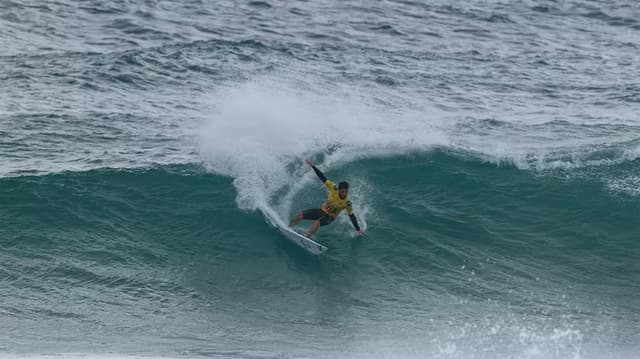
{"x": 334, "y": 204}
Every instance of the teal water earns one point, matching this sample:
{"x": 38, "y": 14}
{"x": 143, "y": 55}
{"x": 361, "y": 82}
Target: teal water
{"x": 462, "y": 257}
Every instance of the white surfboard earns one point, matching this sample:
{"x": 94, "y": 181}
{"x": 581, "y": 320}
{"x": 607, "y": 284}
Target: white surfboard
{"x": 309, "y": 244}
{"x": 304, "y": 242}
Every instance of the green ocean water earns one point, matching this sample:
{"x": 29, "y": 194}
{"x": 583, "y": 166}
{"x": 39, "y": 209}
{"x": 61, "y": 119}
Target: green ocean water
{"x": 460, "y": 256}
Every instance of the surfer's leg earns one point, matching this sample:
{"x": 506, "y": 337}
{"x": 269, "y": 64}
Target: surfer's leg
{"x": 313, "y": 229}
{"x": 322, "y": 221}
{"x": 312, "y": 214}
{"x": 296, "y": 219}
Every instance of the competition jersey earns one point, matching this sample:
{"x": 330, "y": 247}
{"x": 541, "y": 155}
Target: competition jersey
{"x": 334, "y": 204}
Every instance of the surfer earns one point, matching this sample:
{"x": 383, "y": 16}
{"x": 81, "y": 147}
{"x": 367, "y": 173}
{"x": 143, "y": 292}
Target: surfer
{"x": 337, "y": 201}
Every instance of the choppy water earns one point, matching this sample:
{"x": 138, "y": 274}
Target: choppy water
{"x": 493, "y": 150}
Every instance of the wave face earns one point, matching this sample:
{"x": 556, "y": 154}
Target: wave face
{"x": 493, "y": 151}
{"x": 462, "y": 258}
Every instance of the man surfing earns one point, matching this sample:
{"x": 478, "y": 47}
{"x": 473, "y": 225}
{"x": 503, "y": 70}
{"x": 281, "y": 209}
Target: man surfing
{"x": 337, "y": 201}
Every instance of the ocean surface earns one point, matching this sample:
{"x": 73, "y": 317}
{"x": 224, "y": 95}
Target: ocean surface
{"x": 492, "y": 147}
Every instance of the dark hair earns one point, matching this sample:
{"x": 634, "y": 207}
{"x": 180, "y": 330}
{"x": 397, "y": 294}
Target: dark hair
{"x": 342, "y": 185}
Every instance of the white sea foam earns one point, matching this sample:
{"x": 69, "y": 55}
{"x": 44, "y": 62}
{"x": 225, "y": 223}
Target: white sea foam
{"x": 260, "y": 131}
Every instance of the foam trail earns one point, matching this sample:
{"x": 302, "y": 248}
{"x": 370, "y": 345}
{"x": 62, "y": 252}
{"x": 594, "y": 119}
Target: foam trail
{"x": 261, "y": 133}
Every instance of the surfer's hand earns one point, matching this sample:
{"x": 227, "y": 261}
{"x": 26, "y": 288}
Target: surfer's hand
{"x": 309, "y": 162}
{"x": 361, "y": 232}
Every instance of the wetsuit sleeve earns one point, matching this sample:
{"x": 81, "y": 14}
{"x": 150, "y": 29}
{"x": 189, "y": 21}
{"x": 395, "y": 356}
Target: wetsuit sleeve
{"x": 354, "y": 221}
{"x": 330, "y": 185}
{"x": 352, "y": 216}
{"x": 321, "y": 175}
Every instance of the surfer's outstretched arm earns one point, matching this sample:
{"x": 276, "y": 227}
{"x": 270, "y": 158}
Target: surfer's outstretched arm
{"x": 354, "y": 221}
{"x": 353, "y": 218}
{"x": 321, "y": 175}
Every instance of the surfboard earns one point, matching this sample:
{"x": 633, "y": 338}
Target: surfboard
{"x": 299, "y": 239}
{"x": 307, "y": 243}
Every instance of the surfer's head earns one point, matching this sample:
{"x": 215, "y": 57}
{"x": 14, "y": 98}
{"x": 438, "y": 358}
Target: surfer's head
{"x": 343, "y": 189}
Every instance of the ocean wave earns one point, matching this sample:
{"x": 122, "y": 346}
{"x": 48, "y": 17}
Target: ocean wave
{"x": 439, "y": 227}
